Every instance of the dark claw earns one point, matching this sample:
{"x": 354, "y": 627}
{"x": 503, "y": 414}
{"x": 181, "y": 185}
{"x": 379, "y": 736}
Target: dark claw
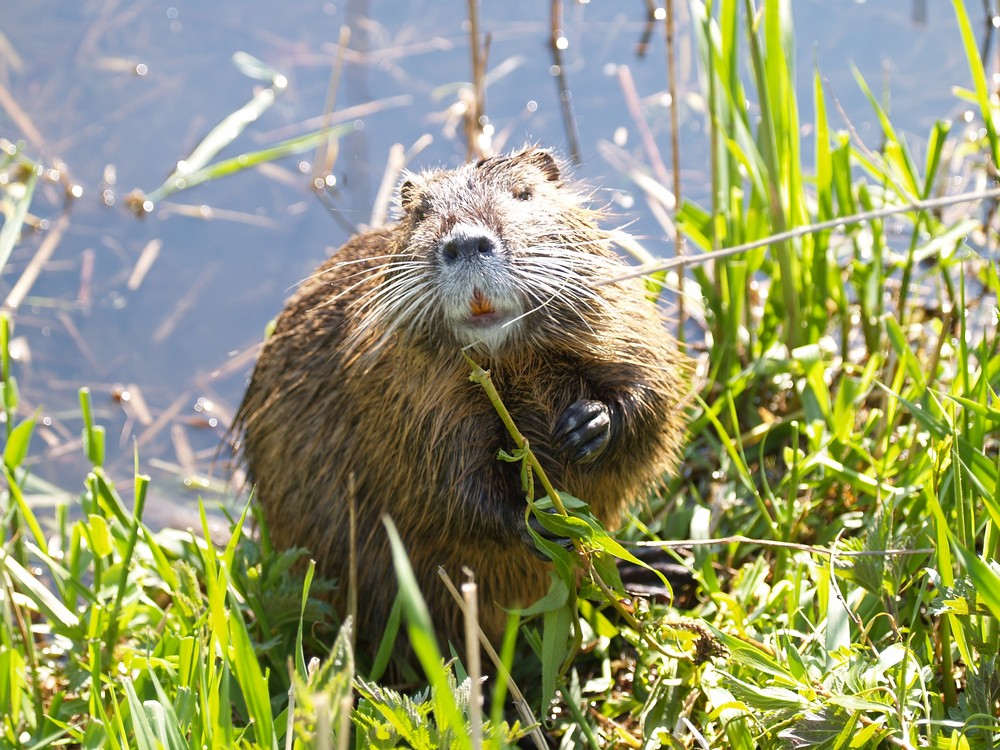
{"x": 583, "y": 431}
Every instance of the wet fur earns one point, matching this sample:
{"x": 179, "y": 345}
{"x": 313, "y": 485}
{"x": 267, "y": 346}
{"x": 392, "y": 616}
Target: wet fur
{"x": 363, "y": 375}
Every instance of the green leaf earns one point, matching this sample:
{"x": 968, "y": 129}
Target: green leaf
{"x": 557, "y": 640}
{"x": 764, "y": 698}
{"x": 11, "y": 231}
{"x": 557, "y": 596}
{"x": 226, "y": 167}
{"x": 18, "y": 442}
{"x": 145, "y": 736}
{"x": 45, "y": 600}
{"x": 251, "y": 679}
{"x": 424, "y": 641}
{"x": 231, "y": 126}
{"x": 978, "y": 72}
{"x": 753, "y": 657}
{"x": 12, "y": 681}
{"x": 163, "y": 719}
{"x": 99, "y": 535}
{"x": 300, "y": 660}
{"x": 985, "y": 577}
{"x": 251, "y": 67}
{"x": 25, "y": 511}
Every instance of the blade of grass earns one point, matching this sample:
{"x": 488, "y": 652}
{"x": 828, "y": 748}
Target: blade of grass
{"x": 424, "y": 642}
{"x": 978, "y": 77}
{"x": 47, "y": 603}
{"x": 225, "y": 167}
{"x": 11, "y": 231}
{"x": 251, "y": 679}
{"x": 231, "y": 126}
{"x": 144, "y": 736}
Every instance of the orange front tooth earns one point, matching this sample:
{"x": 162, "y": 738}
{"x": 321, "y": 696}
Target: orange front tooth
{"x": 479, "y": 304}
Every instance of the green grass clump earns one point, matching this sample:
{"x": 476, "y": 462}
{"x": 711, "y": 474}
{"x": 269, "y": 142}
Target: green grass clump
{"x": 840, "y": 499}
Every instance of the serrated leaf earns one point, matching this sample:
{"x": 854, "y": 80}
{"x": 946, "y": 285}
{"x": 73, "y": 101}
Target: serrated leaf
{"x": 855, "y": 703}
{"x": 765, "y": 698}
{"x": 818, "y": 728}
{"x": 985, "y": 577}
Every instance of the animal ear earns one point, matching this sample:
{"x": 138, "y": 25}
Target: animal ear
{"x": 543, "y": 161}
{"x": 409, "y": 194}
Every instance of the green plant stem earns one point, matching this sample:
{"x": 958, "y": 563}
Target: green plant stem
{"x": 9, "y": 395}
{"x": 27, "y": 638}
{"x": 581, "y": 721}
{"x": 482, "y": 377}
{"x": 141, "y": 484}
{"x": 769, "y": 152}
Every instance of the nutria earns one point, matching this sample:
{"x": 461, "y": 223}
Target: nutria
{"x": 364, "y": 377}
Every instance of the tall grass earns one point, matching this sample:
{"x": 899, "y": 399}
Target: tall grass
{"x": 841, "y": 495}
{"x": 846, "y": 419}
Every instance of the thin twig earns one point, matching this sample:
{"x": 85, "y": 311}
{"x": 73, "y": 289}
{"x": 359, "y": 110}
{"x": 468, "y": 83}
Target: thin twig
{"x": 147, "y": 257}
{"x": 344, "y": 727}
{"x": 21, "y": 119}
{"x": 46, "y": 248}
{"x": 474, "y": 118}
{"x": 324, "y": 721}
{"x": 930, "y": 204}
{"x": 520, "y": 704}
{"x": 393, "y": 167}
{"x": 165, "y": 418}
{"x": 634, "y": 105}
{"x": 740, "y": 539}
{"x": 326, "y": 150}
{"x": 482, "y": 378}
{"x": 472, "y": 660}
{"x": 558, "y": 42}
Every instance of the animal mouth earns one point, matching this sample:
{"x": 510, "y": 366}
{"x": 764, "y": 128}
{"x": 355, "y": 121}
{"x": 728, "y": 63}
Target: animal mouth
{"x": 480, "y": 304}
{"x": 482, "y": 312}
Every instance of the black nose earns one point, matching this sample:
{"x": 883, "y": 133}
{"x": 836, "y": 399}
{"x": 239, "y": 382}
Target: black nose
{"x": 467, "y": 243}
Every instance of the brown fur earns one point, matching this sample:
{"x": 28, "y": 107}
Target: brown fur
{"x": 374, "y": 385}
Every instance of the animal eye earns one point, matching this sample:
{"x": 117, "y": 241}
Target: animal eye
{"x": 523, "y": 193}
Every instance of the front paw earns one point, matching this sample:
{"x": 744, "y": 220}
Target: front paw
{"x": 583, "y": 431}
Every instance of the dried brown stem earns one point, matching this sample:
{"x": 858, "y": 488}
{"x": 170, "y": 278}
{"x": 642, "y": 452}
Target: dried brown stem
{"x": 326, "y": 151}
{"x": 474, "y": 115}
{"x": 558, "y": 40}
